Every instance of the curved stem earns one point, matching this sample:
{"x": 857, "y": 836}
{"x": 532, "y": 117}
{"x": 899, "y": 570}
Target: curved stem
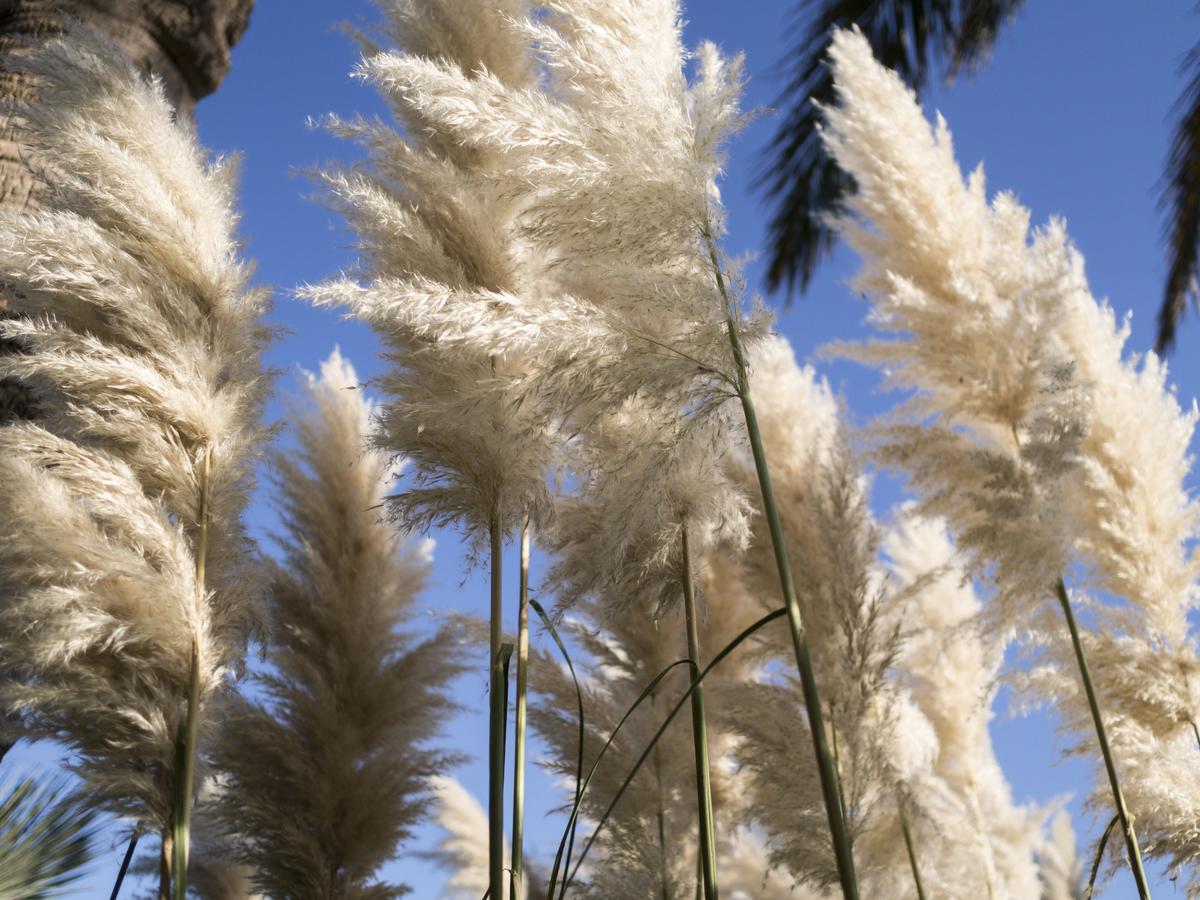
{"x": 663, "y": 889}
{"x": 1131, "y": 842}
{"x": 708, "y": 853}
{"x": 133, "y": 842}
{"x": 568, "y": 839}
{"x": 725, "y": 651}
{"x": 518, "y": 825}
{"x": 573, "y": 818}
{"x": 1091, "y": 885}
{"x": 187, "y": 775}
{"x": 839, "y": 833}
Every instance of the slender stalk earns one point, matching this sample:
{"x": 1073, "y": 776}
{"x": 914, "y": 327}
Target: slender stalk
{"x": 838, "y": 832}
{"x": 496, "y": 728}
{"x": 518, "y": 826}
{"x": 912, "y": 854}
{"x": 133, "y": 842}
{"x": 1091, "y": 885}
{"x": 708, "y": 842}
{"x": 187, "y": 774}
{"x": 1110, "y": 766}
{"x": 164, "y": 866}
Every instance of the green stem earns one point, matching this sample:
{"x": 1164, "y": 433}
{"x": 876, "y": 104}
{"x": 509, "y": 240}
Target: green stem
{"x": 496, "y": 720}
{"x": 708, "y": 851}
{"x": 1131, "y": 841}
{"x": 1091, "y": 885}
{"x": 912, "y": 854}
{"x": 518, "y": 826}
{"x": 839, "y": 834}
{"x": 187, "y": 777}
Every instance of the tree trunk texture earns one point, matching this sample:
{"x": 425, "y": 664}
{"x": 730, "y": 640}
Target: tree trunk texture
{"x": 186, "y": 43}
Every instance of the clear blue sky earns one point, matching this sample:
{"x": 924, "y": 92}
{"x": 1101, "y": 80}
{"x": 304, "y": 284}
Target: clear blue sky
{"x": 1072, "y": 113}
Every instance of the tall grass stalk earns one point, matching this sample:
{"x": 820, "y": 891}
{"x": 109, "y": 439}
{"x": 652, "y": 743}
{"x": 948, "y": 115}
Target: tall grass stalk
{"x": 912, "y": 853}
{"x": 518, "y": 826}
{"x": 497, "y": 719}
{"x": 708, "y": 852}
{"x": 1131, "y": 842}
{"x": 566, "y": 842}
{"x": 187, "y": 775}
{"x": 839, "y": 834}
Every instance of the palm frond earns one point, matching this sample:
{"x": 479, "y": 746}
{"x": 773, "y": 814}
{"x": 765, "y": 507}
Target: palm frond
{"x": 1181, "y": 199}
{"x": 45, "y": 839}
{"x": 911, "y": 37}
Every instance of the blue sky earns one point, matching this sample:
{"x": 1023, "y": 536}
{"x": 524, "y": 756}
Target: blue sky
{"x": 1072, "y": 114}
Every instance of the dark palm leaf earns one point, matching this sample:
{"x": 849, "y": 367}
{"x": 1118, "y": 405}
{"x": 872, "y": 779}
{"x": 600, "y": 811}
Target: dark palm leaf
{"x": 909, "y": 36}
{"x": 45, "y": 839}
{"x": 1181, "y": 198}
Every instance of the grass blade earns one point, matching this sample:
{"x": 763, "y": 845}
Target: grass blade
{"x": 1091, "y": 885}
{"x": 716, "y": 660}
{"x": 537, "y": 607}
{"x": 574, "y": 816}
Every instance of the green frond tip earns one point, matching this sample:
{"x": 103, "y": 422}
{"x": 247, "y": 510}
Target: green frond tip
{"x": 45, "y": 839}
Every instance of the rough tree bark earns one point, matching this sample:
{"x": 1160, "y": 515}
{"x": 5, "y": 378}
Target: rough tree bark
{"x": 186, "y": 43}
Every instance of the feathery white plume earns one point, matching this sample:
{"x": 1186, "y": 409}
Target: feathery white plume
{"x": 324, "y": 779}
{"x": 140, "y": 345}
{"x": 536, "y": 249}
{"x": 436, "y": 225}
{"x": 1047, "y": 449}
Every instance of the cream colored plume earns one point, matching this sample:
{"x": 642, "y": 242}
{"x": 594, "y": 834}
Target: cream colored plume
{"x": 140, "y": 343}
{"x": 325, "y": 776}
{"x": 535, "y": 248}
{"x": 1041, "y": 442}
{"x": 437, "y": 228}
